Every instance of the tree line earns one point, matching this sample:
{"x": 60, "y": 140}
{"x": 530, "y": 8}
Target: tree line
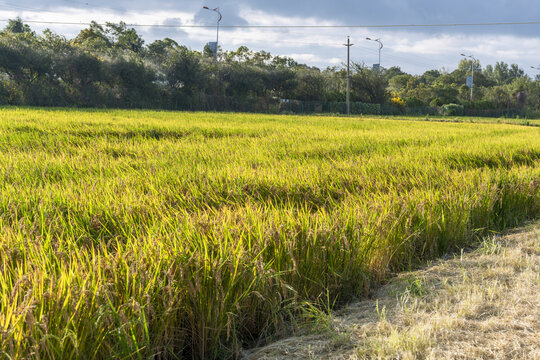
{"x": 112, "y": 66}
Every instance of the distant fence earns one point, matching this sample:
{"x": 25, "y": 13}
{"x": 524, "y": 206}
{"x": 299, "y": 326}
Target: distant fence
{"x": 289, "y": 106}
{"x": 273, "y": 105}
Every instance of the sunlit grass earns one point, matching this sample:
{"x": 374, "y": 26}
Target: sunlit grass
{"x": 138, "y": 234}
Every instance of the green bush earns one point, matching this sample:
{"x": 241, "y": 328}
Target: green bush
{"x": 452, "y": 110}
{"x": 414, "y": 102}
{"x": 435, "y": 102}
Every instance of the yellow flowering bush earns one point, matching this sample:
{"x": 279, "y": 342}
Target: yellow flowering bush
{"x": 396, "y": 100}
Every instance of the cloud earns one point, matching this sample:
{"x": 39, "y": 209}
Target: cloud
{"x": 413, "y": 49}
{"x": 353, "y": 12}
{"x": 168, "y": 31}
{"x": 230, "y": 11}
{"x": 312, "y": 58}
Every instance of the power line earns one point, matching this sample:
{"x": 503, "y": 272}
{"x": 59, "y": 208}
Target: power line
{"x": 299, "y": 26}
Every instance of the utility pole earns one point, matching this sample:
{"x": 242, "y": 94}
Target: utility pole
{"x": 348, "y": 45}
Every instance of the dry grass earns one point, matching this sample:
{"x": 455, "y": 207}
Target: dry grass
{"x": 480, "y": 305}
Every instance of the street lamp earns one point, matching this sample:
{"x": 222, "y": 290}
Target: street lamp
{"x": 218, "y": 21}
{"x": 472, "y": 72}
{"x": 380, "y": 47}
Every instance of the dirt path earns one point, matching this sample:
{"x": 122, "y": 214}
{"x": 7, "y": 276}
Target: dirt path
{"x": 480, "y": 305}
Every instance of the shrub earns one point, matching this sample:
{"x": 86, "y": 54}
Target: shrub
{"x": 414, "y": 102}
{"x": 436, "y": 102}
{"x": 452, "y": 110}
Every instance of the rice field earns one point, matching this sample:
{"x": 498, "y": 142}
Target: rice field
{"x": 167, "y": 235}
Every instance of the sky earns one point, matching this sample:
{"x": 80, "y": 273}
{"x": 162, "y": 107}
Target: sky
{"x": 413, "y": 49}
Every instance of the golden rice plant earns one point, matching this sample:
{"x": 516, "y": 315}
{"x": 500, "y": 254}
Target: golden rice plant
{"x": 167, "y": 235}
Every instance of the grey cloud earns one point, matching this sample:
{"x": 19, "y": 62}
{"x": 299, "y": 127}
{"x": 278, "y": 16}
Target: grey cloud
{"x": 229, "y": 10}
{"x": 174, "y": 33}
{"x": 344, "y": 12}
{"x": 371, "y": 12}
{"x": 375, "y": 12}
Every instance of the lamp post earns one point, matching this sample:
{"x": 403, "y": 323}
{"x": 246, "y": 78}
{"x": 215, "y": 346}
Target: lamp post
{"x": 217, "y": 33}
{"x": 472, "y": 72}
{"x": 380, "y": 47}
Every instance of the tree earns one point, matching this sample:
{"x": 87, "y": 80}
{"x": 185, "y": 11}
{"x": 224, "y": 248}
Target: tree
{"x": 446, "y": 93}
{"x": 243, "y": 80}
{"x": 311, "y": 86}
{"x": 23, "y": 63}
{"x": 503, "y": 73}
{"x": 392, "y": 72}
{"x": 131, "y": 82}
{"x": 367, "y": 85}
{"x": 30, "y": 69}
{"x": 93, "y": 38}
{"x": 243, "y": 55}
{"x": 430, "y": 76}
{"x": 465, "y": 66}
{"x": 82, "y": 71}
{"x": 110, "y": 66}
{"x": 400, "y": 82}
{"x": 183, "y": 71}
{"x": 208, "y": 52}
{"x": 159, "y": 50}
{"x": 124, "y": 38}
{"x": 16, "y": 26}
{"x": 515, "y": 72}
{"x": 54, "y": 42}
{"x": 284, "y": 61}
{"x": 281, "y": 82}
